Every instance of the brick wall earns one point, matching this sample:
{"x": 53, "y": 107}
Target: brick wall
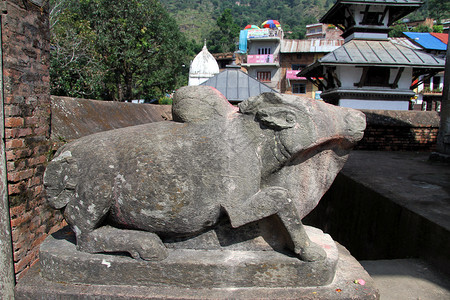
{"x": 400, "y": 131}
{"x": 25, "y": 38}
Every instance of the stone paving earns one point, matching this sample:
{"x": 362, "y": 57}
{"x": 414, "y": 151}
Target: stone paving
{"x": 409, "y": 179}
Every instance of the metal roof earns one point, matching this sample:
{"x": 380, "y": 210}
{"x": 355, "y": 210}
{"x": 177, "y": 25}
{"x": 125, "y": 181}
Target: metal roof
{"x": 376, "y": 53}
{"x": 311, "y": 45}
{"x": 336, "y": 14}
{"x": 405, "y": 42}
{"x": 443, "y": 37}
{"x": 426, "y": 40}
{"x": 236, "y": 85}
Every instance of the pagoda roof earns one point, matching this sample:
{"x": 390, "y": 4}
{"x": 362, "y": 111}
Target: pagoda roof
{"x": 236, "y": 85}
{"x": 400, "y": 8}
{"x": 374, "y": 53}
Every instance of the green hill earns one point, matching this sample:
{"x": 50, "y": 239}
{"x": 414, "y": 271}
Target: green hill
{"x": 197, "y": 18}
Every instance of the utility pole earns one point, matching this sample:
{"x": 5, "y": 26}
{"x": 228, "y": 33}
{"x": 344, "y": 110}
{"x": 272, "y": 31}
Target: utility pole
{"x": 443, "y": 140}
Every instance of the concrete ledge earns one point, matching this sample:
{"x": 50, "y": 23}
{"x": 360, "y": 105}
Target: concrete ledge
{"x": 34, "y": 286}
{"x": 73, "y": 118}
{"x": 399, "y": 118}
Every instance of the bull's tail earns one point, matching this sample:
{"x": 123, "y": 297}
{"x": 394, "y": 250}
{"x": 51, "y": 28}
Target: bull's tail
{"x": 60, "y": 180}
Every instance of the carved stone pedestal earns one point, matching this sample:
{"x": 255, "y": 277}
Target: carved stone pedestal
{"x": 64, "y": 272}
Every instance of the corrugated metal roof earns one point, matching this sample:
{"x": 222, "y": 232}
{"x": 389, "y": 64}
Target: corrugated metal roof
{"x": 360, "y": 52}
{"x": 236, "y": 85}
{"x": 441, "y": 36}
{"x": 405, "y": 42}
{"x": 311, "y": 45}
{"x": 426, "y": 40}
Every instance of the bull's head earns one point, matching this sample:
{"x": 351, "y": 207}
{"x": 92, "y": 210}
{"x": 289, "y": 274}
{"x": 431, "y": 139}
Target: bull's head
{"x": 312, "y": 138}
{"x": 301, "y": 124}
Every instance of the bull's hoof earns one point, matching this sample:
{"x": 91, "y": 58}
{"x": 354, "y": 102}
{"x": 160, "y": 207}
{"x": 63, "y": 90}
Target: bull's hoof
{"x": 312, "y": 253}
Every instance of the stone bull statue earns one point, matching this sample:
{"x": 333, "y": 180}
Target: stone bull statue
{"x": 126, "y": 189}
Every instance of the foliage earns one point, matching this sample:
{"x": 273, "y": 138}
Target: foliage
{"x": 422, "y": 28}
{"x": 75, "y": 68}
{"x": 397, "y": 30}
{"x": 164, "y": 100}
{"x": 292, "y": 14}
{"x": 435, "y": 9}
{"x": 198, "y": 18}
{"x": 438, "y": 28}
{"x": 121, "y": 50}
{"x": 225, "y": 36}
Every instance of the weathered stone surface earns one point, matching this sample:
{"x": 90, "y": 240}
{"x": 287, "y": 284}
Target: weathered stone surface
{"x": 222, "y": 267}
{"x": 33, "y": 286}
{"x": 276, "y": 156}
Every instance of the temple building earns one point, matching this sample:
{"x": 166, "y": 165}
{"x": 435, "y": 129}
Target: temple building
{"x": 369, "y": 71}
{"x": 236, "y": 85}
{"x": 203, "y": 67}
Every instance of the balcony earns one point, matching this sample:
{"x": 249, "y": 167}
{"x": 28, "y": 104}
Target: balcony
{"x": 261, "y": 60}
{"x": 264, "y": 34}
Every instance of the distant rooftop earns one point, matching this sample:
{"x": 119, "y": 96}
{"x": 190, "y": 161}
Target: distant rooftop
{"x": 426, "y": 40}
{"x": 236, "y": 85}
{"x": 375, "y": 53}
{"x": 311, "y": 45}
{"x": 403, "y": 41}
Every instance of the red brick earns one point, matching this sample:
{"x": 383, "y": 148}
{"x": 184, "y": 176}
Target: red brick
{"x": 21, "y": 175}
{"x": 38, "y": 160}
{"x": 16, "y": 188}
{"x": 23, "y": 263}
{"x": 12, "y": 110}
{"x": 14, "y": 143}
{"x": 14, "y": 122}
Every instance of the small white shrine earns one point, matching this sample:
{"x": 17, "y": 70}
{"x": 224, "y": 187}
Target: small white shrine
{"x": 203, "y": 67}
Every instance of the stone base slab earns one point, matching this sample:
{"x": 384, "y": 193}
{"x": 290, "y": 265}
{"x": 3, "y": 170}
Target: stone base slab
{"x": 34, "y": 286}
{"x": 191, "y": 268}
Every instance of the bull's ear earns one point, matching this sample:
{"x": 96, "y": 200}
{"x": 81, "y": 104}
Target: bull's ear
{"x": 277, "y": 117}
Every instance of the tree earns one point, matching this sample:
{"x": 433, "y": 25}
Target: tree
{"x": 225, "y": 36}
{"x": 137, "y": 47}
{"x": 75, "y": 68}
{"x": 397, "y": 30}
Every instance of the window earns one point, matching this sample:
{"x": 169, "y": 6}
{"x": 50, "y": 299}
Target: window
{"x": 264, "y": 76}
{"x": 436, "y": 82}
{"x": 377, "y": 76}
{"x": 426, "y": 84}
{"x": 263, "y": 51}
{"x": 299, "y": 88}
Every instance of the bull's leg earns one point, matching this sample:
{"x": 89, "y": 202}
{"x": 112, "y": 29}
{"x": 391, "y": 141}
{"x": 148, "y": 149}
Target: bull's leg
{"x": 139, "y": 244}
{"x": 275, "y": 201}
{"x": 303, "y": 246}
{"x": 93, "y": 239}
{"x": 86, "y": 216}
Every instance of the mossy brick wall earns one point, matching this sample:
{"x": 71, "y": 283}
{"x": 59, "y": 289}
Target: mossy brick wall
{"x": 25, "y": 38}
{"x": 400, "y": 130}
